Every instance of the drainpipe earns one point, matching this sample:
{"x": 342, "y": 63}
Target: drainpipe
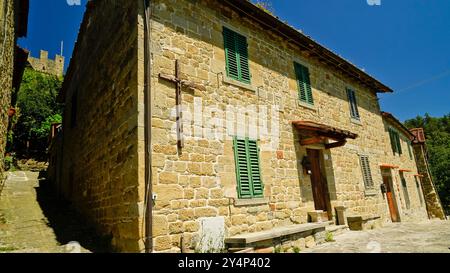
{"x": 148, "y": 131}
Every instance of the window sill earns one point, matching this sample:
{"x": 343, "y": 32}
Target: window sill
{"x": 251, "y": 202}
{"x": 370, "y": 192}
{"x": 356, "y": 121}
{"x": 234, "y": 82}
{"x": 307, "y": 105}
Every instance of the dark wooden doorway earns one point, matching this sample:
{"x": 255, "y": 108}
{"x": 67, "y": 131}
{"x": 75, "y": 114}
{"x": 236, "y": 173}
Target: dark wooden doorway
{"x": 390, "y": 196}
{"x": 319, "y": 183}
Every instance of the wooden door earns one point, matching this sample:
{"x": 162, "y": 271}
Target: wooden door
{"x": 319, "y": 183}
{"x": 390, "y": 198}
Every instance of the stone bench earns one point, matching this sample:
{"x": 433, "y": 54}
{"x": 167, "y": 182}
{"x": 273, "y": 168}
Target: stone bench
{"x": 362, "y": 222}
{"x": 277, "y": 236}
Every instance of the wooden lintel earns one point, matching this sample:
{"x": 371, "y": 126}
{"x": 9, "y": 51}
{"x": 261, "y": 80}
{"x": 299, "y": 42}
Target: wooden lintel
{"x": 312, "y": 141}
{"x": 388, "y": 166}
{"x": 336, "y": 144}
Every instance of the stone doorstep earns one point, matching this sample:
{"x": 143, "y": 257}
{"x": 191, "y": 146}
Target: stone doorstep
{"x": 249, "y": 238}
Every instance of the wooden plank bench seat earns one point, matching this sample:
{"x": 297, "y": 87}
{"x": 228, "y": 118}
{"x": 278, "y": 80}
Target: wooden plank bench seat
{"x": 250, "y": 239}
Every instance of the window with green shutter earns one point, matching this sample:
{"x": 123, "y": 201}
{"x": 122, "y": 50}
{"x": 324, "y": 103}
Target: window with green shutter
{"x": 409, "y": 148}
{"x": 304, "y": 83}
{"x": 354, "y": 112}
{"x": 399, "y": 144}
{"x": 405, "y": 191}
{"x": 419, "y": 191}
{"x": 248, "y": 168}
{"x": 395, "y": 141}
{"x": 367, "y": 173}
{"x": 236, "y": 55}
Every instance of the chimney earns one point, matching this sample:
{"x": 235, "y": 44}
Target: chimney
{"x": 419, "y": 135}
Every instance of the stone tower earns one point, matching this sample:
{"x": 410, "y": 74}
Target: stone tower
{"x": 434, "y": 205}
{"x": 45, "y": 65}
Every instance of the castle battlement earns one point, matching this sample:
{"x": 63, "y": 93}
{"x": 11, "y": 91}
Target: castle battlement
{"x": 46, "y": 65}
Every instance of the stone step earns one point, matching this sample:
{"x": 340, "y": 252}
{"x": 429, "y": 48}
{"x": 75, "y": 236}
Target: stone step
{"x": 337, "y": 230}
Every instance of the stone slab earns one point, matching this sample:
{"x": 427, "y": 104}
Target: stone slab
{"x": 275, "y": 233}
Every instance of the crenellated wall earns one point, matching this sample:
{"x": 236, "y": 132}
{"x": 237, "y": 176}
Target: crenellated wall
{"x": 45, "y": 65}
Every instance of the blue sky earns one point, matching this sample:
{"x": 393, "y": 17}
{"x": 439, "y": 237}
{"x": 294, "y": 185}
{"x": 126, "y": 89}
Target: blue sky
{"x": 403, "y": 43}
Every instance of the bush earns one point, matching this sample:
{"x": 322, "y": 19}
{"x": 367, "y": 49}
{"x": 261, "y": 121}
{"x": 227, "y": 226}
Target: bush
{"x": 9, "y": 163}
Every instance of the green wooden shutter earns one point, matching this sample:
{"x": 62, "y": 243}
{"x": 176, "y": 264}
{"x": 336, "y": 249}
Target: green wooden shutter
{"x": 231, "y": 54}
{"x": 242, "y": 52}
{"x": 255, "y": 168}
{"x": 304, "y": 83}
{"x": 248, "y": 168}
{"x": 242, "y": 170}
{"x": 409, "y": 149}
{"x": 405, "y": 191}
{"x": 393, "y": 140}
{"x": 236, "y": 55}
{"x": 354, "y": 112}
{"x": 399, "y": 145}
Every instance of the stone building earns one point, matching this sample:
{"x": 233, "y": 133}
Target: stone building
{"x": 401, "y": 176}
{"x": 45, "y": 65}
{"x": 191, "y": 124}
{"x": 13, "y": 24}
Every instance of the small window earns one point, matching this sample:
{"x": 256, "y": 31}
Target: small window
{"x": 248, "y": 168}
{"x": 354, "y": 112}
{"x": 367, "y": 173}
{"x": 409, "y": 149}
{"x": 405, "y": 191}
{"x": 395, "y": 141}
{"x": 236, "y": 54}
{"x": 419, "y": 191}
{"x": 304, "y": 83}
{"x": 73, "y": 113}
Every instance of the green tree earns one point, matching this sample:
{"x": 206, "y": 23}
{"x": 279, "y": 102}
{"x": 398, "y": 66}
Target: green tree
{"x": 437, "y": 132}
{"x": 38, "y": 109}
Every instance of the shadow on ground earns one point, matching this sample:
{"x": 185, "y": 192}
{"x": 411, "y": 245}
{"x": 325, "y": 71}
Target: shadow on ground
{"x": 67, "y": 224}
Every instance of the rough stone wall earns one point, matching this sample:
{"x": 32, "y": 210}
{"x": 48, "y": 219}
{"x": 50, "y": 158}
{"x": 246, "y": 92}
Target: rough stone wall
{"x": 7, "y": 42}
{"x": 100, "y": 171}
{"x": 201, "y": 181}
{"x": 417, "y": 211}
{"x": 46, "y": 65}
{"x": 433, "y": 203}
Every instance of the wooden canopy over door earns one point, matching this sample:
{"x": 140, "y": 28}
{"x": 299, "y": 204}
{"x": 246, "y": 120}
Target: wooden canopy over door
{"x": 316, "y": 133}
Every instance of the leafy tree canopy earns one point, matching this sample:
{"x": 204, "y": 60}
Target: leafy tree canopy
{"x": 37, "y": 110}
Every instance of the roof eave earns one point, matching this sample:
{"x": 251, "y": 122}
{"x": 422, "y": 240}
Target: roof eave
{"x": 307, "y": 44}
